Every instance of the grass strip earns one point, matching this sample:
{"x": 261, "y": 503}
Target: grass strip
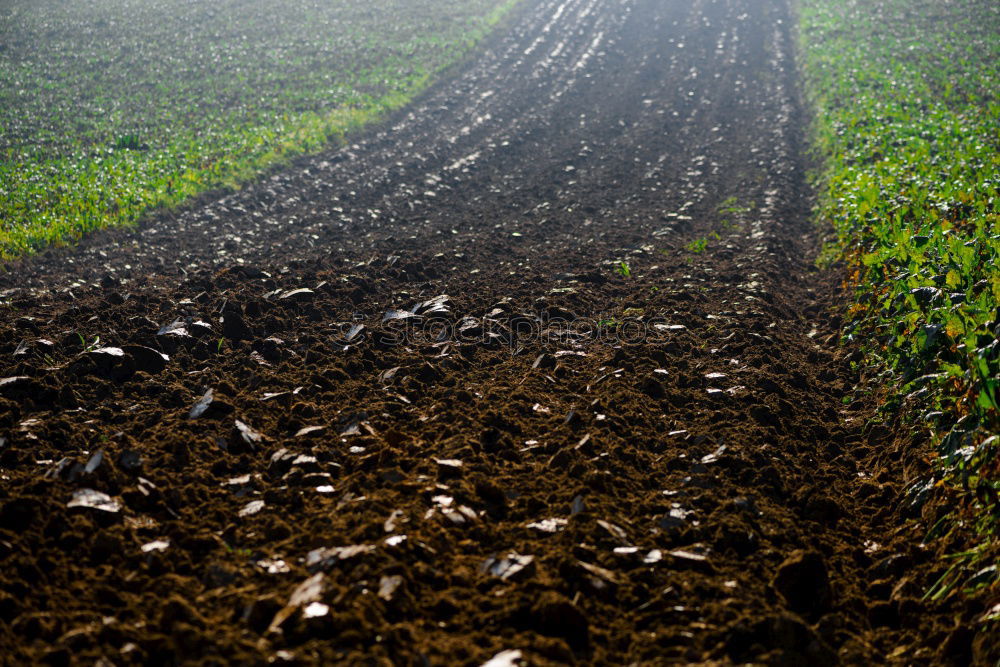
{"x": 907, "y": 126}
{"x": 107, "y": 115}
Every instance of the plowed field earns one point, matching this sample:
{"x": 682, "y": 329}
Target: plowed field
{"x": 540, "y": 369}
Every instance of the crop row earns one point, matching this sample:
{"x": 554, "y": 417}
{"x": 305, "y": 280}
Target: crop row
{"x": 908, "y": 129}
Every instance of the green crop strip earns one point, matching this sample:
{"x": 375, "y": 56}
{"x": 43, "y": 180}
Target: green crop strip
{"x": 108, "y": 114}
{"x": 908, "y": 128}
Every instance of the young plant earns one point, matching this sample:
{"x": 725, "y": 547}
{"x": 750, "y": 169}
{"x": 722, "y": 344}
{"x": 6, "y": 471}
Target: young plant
{"x": 697, "y": 246}
{"x": 94, "y": 344}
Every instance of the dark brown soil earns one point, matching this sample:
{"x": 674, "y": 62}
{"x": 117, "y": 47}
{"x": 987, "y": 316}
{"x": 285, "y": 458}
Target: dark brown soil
{"x": 596, "y": 414}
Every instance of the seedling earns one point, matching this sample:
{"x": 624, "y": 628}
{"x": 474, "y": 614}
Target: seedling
{"x": 623, "y": 270}
{"x": 731, "y": 206}
{"x": 697, "y": 246}
{"x": 94, "y": 344}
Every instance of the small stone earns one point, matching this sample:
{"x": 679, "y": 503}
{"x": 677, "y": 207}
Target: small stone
{"x": 300, "y": 295}
{"x": 599, "y": 578}
{"x": 508, "y": 658}
{"x": 305, "y": 593}
{"x": 616, "y": 532}
{"x": 548, "y": 525}
{"x": 96, "y": 500}
{"x": 654, "y": 556}
{"x": 388, "y": 585}
{"x": 748, "y": 505}
{"x": 324, "y": 558}
{"x": 315, "y": 610}
{"x": 510, "y": 567}
{"x": 94, "y": 462}
{"x": 252, "y": 507}
{"x": 208, "y": 406}
{"x": 273, "y": 565}
{"x": 155, "y": 545}
{"x": 281, "y": 461}
{"x": 691, "y": 560}
{"x": 175, "y": 330}
{"x": 394, "y": 520}
{"x": 714, "y": 456}
{"x": 243, "y": 437}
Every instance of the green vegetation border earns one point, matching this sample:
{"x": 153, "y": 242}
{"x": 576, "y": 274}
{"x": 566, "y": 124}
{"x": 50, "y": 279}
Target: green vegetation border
{"x": 47, "y": 202}
{"x": 907, "y": 128}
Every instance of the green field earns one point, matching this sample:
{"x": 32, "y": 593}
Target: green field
{"x": 110, "y": 109}
{"x": 908, "y": 128}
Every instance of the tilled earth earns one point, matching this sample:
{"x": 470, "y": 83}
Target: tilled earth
{"x": 540, "y": 371}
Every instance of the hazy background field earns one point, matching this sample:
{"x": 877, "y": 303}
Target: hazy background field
{"x": 109, "y": 108}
